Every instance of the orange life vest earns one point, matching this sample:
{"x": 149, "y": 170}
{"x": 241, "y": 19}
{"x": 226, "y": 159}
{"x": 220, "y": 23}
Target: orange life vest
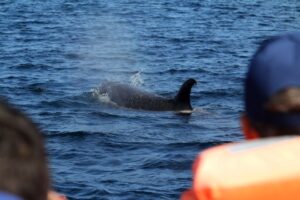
{"x": 255, "y": 170}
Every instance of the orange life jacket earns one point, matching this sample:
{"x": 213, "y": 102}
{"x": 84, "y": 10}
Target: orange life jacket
{"x": 255, "y": 170}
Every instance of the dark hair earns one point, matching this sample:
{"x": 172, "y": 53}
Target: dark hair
{"x": 23, "y": 164}
{"x": 285, "y": 102}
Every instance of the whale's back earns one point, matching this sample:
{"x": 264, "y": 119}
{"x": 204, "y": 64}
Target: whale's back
{"x": 131, "y": 97}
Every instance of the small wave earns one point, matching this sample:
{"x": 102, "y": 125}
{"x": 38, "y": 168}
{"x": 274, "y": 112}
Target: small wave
{"x": 180, "y": 71}
{"x": 26, "y": 66}
{"x": 194, "y": 145}
{"x": 222, "y": 93}
{"x": 74, "y": 134}
{"x": 74, "y": 56}
{"x": 36, "y": 88}
{"x": 63, "y": 103}
{"x": 171, "y": 164}
{"x": 200, "y": 110}
{"x": 108, "y": 115}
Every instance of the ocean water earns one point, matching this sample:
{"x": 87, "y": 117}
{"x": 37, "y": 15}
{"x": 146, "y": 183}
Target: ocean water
{"x": 54, "y": 54}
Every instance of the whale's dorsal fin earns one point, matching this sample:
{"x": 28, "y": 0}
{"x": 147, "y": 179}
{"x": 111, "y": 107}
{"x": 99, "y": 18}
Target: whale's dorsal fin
{"x": 182, "y": 99}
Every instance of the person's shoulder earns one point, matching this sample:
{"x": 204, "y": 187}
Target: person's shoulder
{"x": 249, "y": 169}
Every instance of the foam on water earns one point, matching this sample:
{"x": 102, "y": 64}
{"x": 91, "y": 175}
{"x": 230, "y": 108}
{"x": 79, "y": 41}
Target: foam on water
{"x": 136, "y": 79}
{"x": 102, "y": 97}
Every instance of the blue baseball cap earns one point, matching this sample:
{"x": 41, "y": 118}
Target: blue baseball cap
{"x": 274, "y": 67}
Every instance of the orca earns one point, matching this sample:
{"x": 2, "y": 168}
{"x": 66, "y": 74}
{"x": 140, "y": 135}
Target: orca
{"x": 127, "y": 96}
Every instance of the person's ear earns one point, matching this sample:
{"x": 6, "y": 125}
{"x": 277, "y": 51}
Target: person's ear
{"x": 249, "y": 132}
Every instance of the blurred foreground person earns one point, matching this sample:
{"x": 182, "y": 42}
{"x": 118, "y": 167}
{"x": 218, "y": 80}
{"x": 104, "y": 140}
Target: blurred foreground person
{"x": 267, "y": 167}
{"x": 23, "y": 165}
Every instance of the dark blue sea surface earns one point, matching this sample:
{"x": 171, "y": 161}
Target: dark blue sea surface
{"x": 54, "y": 54}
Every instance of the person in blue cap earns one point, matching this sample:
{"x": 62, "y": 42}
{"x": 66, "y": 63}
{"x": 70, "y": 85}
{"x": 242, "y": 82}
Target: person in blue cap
{"x": 272, "y": 89}
{"x": 23, "y": 165}
{"x": 272, "y": 104}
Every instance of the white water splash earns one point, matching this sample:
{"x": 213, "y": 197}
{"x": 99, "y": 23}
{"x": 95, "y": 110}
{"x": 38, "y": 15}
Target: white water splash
{"x": 136, "y": 79}
{"x": 101, "y": 97}
{"x": 196, "y": 110}
{"x": 200, "y": 110}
